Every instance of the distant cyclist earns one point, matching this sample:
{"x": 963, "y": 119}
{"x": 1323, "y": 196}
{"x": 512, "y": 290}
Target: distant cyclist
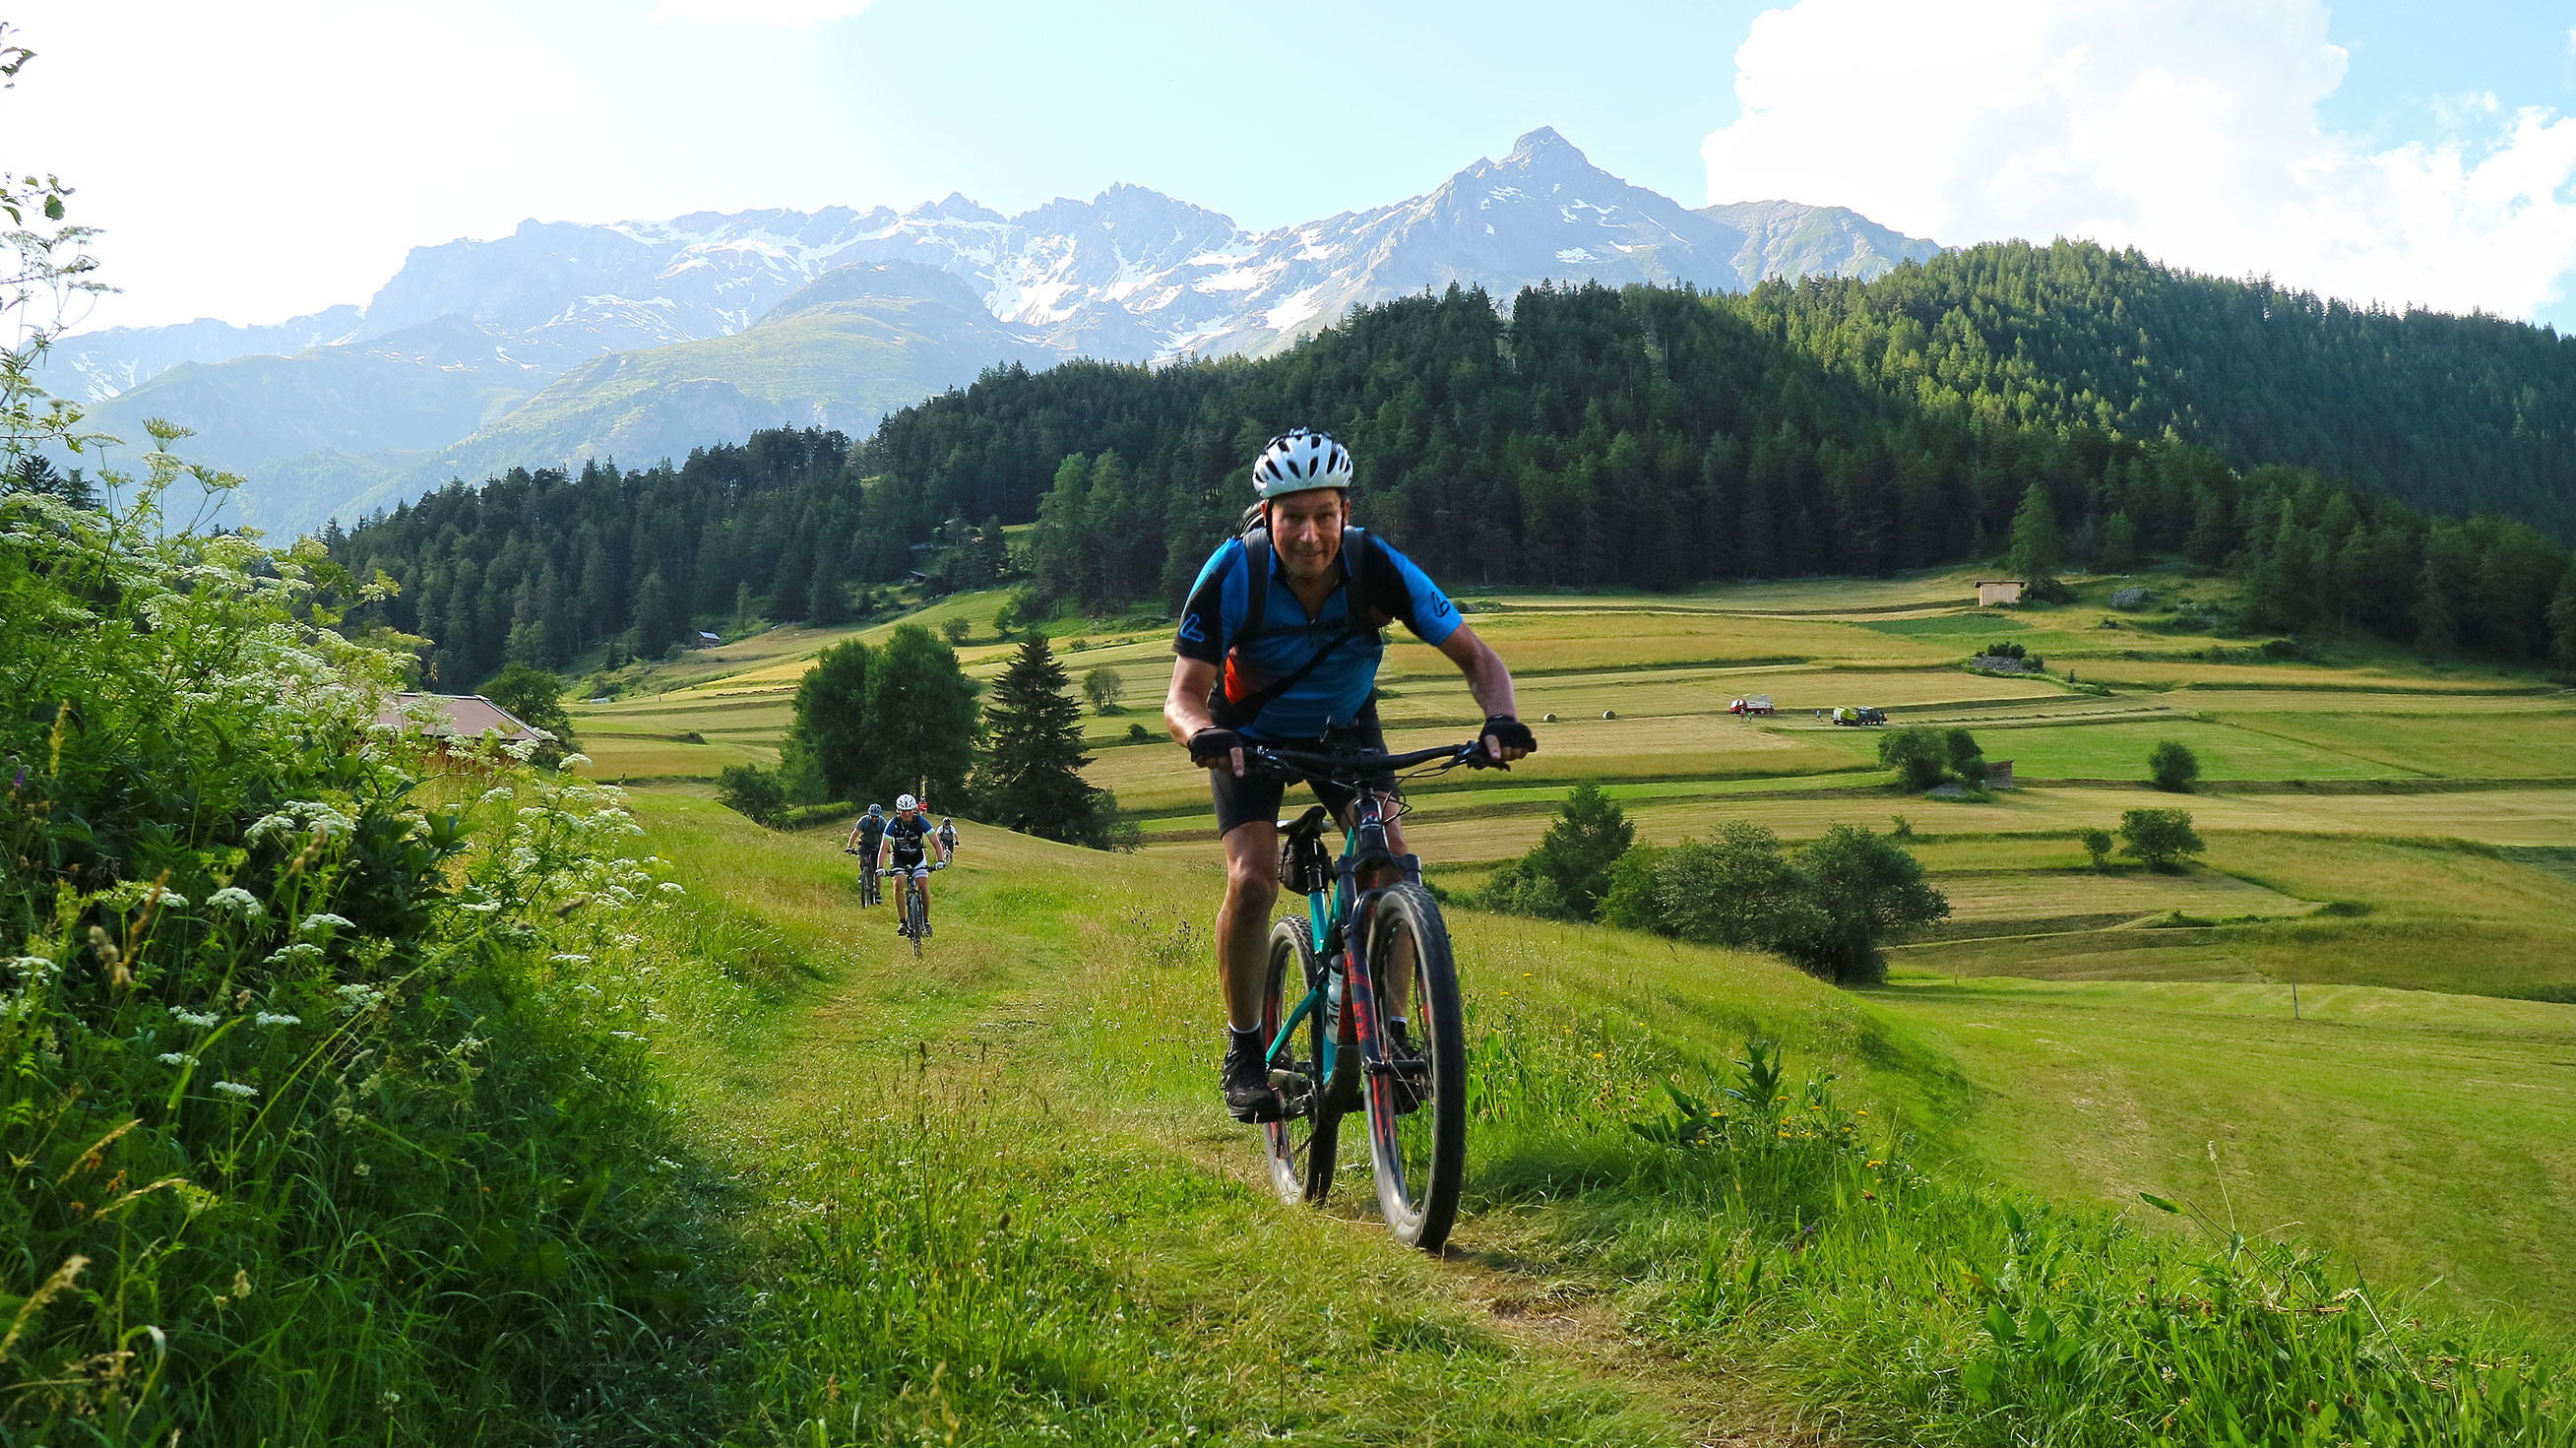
{"x": 1279, "y": 645}
{"x": 907, "y": 848}
{"x": 947, "y": 840}
{"x": 864, "y": 836}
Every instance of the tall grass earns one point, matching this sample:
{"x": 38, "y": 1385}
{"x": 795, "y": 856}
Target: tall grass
{"x": 313, "y": 1127}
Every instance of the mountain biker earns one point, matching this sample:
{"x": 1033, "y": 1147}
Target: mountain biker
{"x": 947, "y": 840}
{"x": 907, "y": 840}
{"x": 863, "y": 841}
{"x": 1303, "y": 676}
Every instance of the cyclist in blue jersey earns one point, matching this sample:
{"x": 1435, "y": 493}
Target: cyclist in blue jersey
{"x": 1279, "y": 645}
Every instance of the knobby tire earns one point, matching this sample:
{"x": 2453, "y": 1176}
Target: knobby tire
{"x": 1420, "y": 1157}
{"x": 1301, "y": 1148}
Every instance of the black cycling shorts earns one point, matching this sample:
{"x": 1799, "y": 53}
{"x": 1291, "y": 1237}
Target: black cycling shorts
{"x": 1241, "y": 801}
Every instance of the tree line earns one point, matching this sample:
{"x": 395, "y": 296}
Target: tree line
{"x": 1644, "y": 437}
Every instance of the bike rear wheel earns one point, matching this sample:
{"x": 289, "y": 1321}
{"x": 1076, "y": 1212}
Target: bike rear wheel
{"x": 1301, "y": 1148}
{"x": 1417, "y": 1106}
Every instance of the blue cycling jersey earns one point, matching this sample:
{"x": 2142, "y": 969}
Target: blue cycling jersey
{"x": 1334, "y": 695}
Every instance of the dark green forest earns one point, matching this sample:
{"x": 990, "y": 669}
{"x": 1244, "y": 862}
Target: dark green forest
{"x": 1648, "y": 438}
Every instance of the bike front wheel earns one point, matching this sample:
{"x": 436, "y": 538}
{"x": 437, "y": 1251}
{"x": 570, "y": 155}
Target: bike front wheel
{"x": 1417, "y": 1102}
{"x": 916, "y": 916}
{"x": 1301, "y": 1148}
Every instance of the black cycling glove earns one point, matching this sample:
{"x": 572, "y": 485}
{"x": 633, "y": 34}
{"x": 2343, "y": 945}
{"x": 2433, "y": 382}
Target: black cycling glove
{"x": 1508, "y": 732}
{"x": 1214, "y": 748}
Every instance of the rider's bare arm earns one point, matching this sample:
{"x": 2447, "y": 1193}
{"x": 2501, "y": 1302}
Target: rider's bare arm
{"x": 1185, "y": 710}
{"x": 1487, "y": 679}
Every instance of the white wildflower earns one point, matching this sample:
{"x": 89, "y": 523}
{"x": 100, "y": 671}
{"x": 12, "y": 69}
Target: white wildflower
{"x": 193, "y": 1018}
{"x": 354, "y": 998}
{"x": 267, "y": 825}
{"x": 177, "y": 1058}
{"x": 277, "y": 1018}
{"x": 520, "y": 749}
{"x": 234, "y": 897}
{"x": 498, "y": 791}
{"x": 31, "y": 965}
{"x": 671, "y": 887}
{"x": 480, "y": 907}
{"x": 235, "y": 1088}
{"x": 533, "y": 811}
{"x": 570, "y": 760}
{"x": 306, "y": 953}
{"x": 321, "y": 920}
{"x": 570, "y": 959}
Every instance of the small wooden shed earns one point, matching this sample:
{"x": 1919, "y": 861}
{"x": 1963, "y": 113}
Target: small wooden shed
{"x": 1992, "y": 591}
{"x": 1999, "y": 774}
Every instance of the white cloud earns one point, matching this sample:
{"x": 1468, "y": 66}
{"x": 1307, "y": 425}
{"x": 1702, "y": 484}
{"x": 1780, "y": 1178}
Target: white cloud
{"x": 2191, "y": 131}
{"x": 797, "y": 13}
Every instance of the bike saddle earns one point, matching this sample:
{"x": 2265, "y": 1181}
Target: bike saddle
{"x": 1307, "y": 826}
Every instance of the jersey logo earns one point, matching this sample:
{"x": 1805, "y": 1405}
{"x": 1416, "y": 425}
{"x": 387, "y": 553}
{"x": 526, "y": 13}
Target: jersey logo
{"x": 1190, "y": 630}
{"x": 1440, "y": 607}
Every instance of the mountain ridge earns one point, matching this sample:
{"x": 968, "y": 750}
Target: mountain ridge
{"x": 1130, "y": 275}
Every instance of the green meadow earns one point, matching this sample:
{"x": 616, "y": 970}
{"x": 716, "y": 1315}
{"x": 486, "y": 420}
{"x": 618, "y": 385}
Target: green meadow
{"x": 2343, "y": 1030}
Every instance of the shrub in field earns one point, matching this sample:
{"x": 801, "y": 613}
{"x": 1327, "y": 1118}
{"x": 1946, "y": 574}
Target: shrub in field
{"x": 1923, "y": 757}
{"x": 1917, "y": 753}
{"x": 1965, "y": 758}
{"x": 2158, "y": 837}
{"x": 1565, "y": 876}
{"x": 1827, "y": 909}
{"x": 2172, "y": 766}
{"x": 756, "y": 794}
{"x": 1104, "y": 689}
{"x": 308, "y": 1133}
{"x": 2097, "y": 843}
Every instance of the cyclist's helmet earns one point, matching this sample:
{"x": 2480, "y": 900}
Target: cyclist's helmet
{"x": 906, "y": 804}
{"x": 1299, "y": 460}
{"x": 945, "y": 821}
{"x": 876, "y": 809}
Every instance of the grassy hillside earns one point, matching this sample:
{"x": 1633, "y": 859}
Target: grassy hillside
{"x": 994, "y": 1197}
{"x": 2381, "y": 832}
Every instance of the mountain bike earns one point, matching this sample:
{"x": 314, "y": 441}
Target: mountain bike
{"x": 1371, "y": 949}
{"x": 871, "y": 894}
{"x": 916, "y": 910}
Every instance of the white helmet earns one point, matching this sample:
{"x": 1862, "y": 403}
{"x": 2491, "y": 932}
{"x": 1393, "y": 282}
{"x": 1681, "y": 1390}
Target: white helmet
{"x": 1298, "y": 460}
{"x": 904, "y": 804}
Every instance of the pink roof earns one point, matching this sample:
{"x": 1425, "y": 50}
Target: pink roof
{"x": 467, "y": 715}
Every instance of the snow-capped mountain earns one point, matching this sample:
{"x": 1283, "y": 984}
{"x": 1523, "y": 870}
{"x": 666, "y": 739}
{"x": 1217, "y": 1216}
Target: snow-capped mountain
{"x": 471, "y": 335}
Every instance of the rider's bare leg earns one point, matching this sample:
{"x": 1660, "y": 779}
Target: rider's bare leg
{"x": 1243, "y": 921}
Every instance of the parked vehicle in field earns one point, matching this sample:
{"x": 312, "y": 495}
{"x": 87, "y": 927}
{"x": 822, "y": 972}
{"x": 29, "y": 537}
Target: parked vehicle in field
{"x": 1864, "y": 714}
{"x": 1753, "y": 704}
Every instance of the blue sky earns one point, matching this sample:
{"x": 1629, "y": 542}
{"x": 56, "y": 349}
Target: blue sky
{"x": 354, "y": 132}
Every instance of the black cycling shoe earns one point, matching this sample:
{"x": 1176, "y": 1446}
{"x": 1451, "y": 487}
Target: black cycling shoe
{"x": 1245, "y": 1079}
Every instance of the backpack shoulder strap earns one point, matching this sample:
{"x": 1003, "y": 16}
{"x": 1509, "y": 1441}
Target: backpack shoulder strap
{"x": 1256, "y": 585}
{"x": 1355, "y": 561}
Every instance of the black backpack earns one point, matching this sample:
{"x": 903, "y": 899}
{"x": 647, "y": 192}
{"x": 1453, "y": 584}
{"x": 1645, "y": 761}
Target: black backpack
{"x": 1234, "y": 713}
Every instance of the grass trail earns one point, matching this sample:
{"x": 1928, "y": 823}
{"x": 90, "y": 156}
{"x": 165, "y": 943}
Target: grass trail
{"x": 1119, "y": 1273}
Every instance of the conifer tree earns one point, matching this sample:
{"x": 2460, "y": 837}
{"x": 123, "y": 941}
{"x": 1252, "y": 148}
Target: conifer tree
{"x": 2119, "y": 544}
{"x": 1029, "y": 777}
{"x": 826, "y": 602}
{"x": 831, "y": 718}
{"x": 2037, "y": 547}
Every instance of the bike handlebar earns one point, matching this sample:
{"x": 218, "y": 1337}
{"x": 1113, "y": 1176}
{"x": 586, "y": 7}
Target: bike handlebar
{"x": 1355, "y": 767}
